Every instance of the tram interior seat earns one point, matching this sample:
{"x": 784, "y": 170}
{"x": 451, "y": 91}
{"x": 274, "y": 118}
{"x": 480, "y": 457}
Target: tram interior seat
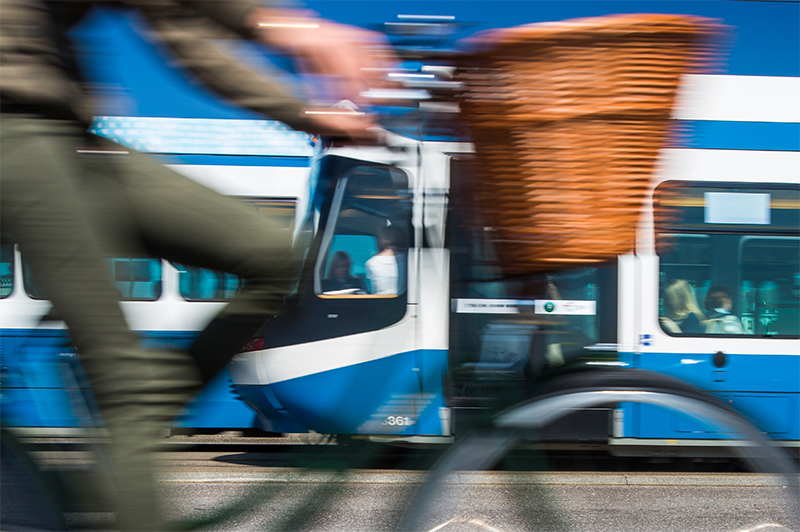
{"x": 669, "y": 325}
{"x": 714, "y": 326}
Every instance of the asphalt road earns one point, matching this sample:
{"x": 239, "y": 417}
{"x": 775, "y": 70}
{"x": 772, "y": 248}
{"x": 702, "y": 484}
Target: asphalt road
{"x": 311, "y": 506}
{"x": 200, "y": 485}
{"x": 324, "y": 490}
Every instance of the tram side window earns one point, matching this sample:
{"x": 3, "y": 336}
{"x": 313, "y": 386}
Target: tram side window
{"x": 365, "y": 245}
{"x": 729, "y": 260}
{"x": 770, "y": 296}
{"x": 136, "y": 279}
{"x": 6, "y": 270}
{"x": 201, "y": 284}
{"x": 685, "y": 277}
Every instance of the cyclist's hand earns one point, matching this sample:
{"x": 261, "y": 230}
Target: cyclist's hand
{"x": 343, "y": 124}
{"x": 350, "y": 59}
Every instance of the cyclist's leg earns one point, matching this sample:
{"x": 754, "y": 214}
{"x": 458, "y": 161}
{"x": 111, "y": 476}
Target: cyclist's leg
{"x": 43, "y": 211}
{"x": 186, "y": 222}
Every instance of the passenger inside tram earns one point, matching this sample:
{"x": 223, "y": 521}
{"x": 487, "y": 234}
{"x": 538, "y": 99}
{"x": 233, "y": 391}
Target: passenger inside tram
{"x": 755, "y": 258}
{"x": 340, "y": 280}
{"x": 683, "y": 314}
{"x": 719, "y": 303}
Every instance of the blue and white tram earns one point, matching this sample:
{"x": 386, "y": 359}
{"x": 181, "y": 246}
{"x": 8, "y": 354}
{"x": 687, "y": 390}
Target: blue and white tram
{"x": 43, "y": 389}
{"x": 735, "y": 223}
{"x": 403, "y": 364}
{"x": 357, "y": 362}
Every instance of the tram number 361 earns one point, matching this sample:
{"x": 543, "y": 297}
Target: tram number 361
{"x": 399, "y": 421}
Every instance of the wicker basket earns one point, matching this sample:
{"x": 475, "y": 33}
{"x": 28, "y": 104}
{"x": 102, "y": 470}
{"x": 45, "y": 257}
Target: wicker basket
{"x": 567, "y": 120}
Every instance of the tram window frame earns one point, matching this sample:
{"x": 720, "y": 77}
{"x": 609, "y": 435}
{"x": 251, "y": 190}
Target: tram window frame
{"x": 188, "y": 275}
{"x": 130, "y": 271}
{"x": 119, "y": 276}
{"x": 358, "y": 194}
{"x": 680, "y": 215}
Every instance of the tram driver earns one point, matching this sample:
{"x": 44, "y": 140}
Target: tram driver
{"x": 340, "y": 279}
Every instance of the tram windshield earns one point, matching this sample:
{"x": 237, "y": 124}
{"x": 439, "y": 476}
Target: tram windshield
{"x": 729, "y": 259}
{"x": 364, "y": 249}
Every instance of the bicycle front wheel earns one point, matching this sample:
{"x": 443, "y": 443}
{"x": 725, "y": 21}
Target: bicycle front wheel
{"x": 768, "y": 501}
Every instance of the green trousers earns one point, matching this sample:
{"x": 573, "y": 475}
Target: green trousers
{"x": 67, "y": 211}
